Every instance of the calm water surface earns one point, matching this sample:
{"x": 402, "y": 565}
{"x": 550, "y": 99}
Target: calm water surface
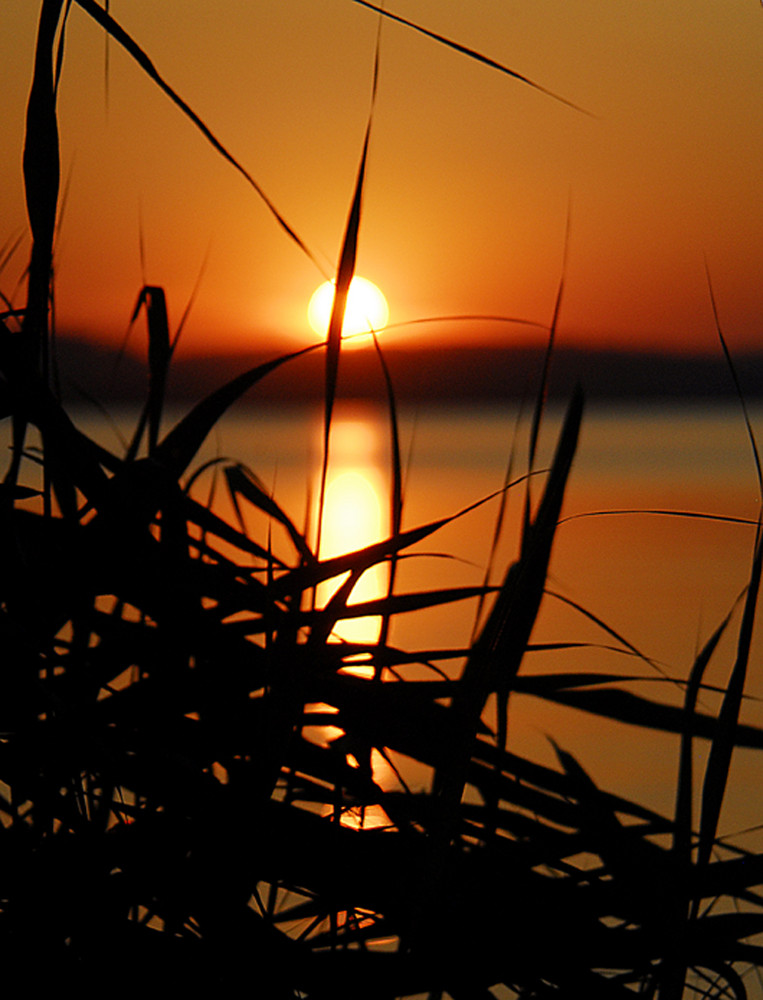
{"x": 662, "y": 582}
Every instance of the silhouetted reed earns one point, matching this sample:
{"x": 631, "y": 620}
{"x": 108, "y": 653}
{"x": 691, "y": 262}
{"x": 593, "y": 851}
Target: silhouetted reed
{"x": 165, "y": 819}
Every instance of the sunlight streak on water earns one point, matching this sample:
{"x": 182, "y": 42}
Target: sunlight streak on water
{"x": 662, "y": 582}
{"x": 354, "y": 517}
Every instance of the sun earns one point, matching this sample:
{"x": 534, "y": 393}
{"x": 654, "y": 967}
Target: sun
{"x": 366, "y": 310}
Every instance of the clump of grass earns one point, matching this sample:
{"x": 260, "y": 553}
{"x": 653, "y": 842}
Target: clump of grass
{"x": 162, "y": 809}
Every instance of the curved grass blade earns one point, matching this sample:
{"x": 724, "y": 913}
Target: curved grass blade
{"x": 624, "y": 706}
{"x": 497, "y": 653}
{"x": 468, "y": 318}
{"x": 177, "y": 449}
{"x": 345, "y": 274}
{"x": 610, "y": 631}
{"x": 671, "y": 972}
{"x": 41, "y": 174}
{"x": 115, "y": 31}
{"x": 7, "y": 251}
{"x": 683, "y": 815}
{"x": 540, "y": 398}
{"x": 242, "y": 482}
{"x": 81, "y": 457}
{"x": 59, "y": 58}
{"x": 471, "y": 54}
{"x": 396, "y": 490}
{"x": 735, "y": 378}
{"x": 506, "y": 632}
{"x": 210, "y": 523}
{"x": 697, "y": 515}
{"x": 303, "y": 578}
{"x": 153, "y": 299}
{"x": 726, "y": 735}
{"x": 189, "y": 305}
{"x": 400, "y": 604}
{"x": 497, "y": 531}
{"x": 337, "y": 609}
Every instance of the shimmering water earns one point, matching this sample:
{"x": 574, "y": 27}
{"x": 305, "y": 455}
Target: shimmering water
{"x": 662, "y": 582}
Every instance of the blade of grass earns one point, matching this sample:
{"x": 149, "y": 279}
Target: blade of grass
{"x": 502, "y": 642}
{"x": 345, "y": 274}
{"x": 735, "y": 378}
{"x": 725, "y": 739}
{"x": 115, "y": 31}
{"x": 471, "y": 53}
{"x": 610, "y": 631}
{"x": 540, "y": 397}
{"x": 497, "y": 531}
{"x": 34, "y": 403}
{"x": 242, "y": 482}
{"x": 495, "y": 658}
{"x": 190, "y": 303}
{"x": 153, "y": 299}
{"x": 698, "y": 515}
{"x": 400, "y": 604}
{"x": 303, "y": 578}
{"x": 470, "y": 318}
{"x": 180, "y": 444}
{"x": 7, "y": 252}
{"x": 41, "y": 168}
{"x": 41, "y": 173}
{"x": 684, "y": 787}
{"x": 671, "y": 972}
{"x": 719, "y": 760}
{"x": 396, "y": 489}
{"x": 624, "y": 706}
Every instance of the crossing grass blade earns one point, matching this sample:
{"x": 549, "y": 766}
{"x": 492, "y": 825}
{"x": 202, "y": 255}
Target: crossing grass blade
{"x": 682, "y": 838}
{"x": 396, "y": 485}
{"x": 179, "y": 446}
{"x": 242, "y": 482}
{"x": 305, "y": 577}
{"x": 625, "y": 706}
{"x": 721, "y": 750}
{"x": 345, "y": 274}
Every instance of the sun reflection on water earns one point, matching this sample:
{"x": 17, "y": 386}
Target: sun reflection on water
{"x": 354, "y": 516}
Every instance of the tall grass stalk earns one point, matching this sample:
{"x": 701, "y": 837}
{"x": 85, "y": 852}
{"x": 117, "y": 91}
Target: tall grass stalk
{"x": 164, "y": 816}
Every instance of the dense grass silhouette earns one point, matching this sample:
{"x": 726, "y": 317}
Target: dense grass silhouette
{"x": 164, "y": 817}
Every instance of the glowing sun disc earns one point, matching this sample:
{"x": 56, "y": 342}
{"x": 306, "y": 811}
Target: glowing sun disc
{"x": 366, "y": 310}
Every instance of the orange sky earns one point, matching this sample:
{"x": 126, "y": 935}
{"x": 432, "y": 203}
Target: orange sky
{"x": 469, "y": 172}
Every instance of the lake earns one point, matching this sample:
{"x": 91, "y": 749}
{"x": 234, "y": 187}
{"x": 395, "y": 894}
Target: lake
{"x": 661, "y": 582}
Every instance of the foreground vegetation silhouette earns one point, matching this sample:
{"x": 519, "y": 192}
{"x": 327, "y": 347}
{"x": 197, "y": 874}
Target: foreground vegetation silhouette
{"x": 164, "y": 814}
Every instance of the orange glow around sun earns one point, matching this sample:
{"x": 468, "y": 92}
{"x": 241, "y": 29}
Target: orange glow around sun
{"x": 366, "y": 310}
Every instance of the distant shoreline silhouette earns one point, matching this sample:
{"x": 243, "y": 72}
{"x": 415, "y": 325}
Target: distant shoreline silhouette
{"x": 447, "y": 374}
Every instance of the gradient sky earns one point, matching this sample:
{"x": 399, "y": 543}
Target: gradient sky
{"x": 469, "y": 179}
